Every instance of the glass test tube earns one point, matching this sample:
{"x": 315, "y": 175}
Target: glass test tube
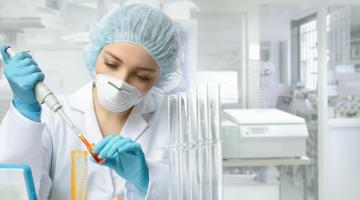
{"x": 214, "y": 123}
{"x": 175, "y": 184}
{"x": 184, "y": 150}
{"x": 194, "y": 159}
{"x": 195, "y": 149}
{"x": 79, "y": 175}
{"x": 203, "y": 152}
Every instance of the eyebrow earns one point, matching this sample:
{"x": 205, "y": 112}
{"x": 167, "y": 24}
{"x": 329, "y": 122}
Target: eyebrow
{"x": 145, "y": 69}
{"x": 137, "y": 67}
{"x": 112, "y": 55}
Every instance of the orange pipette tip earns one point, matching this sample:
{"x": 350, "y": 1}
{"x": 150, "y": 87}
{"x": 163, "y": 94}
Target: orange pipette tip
{"x": 90, "y": 148}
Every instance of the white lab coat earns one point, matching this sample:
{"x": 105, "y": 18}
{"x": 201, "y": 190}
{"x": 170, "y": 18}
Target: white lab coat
{"x": 47, "y": 146}
{"x": 5, "y": 95}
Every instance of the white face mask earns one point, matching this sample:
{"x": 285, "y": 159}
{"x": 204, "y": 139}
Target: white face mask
{"x": 116, "y": 95}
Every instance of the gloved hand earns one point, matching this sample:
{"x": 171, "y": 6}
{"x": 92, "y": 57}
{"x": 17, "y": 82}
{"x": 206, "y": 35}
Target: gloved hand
{"x": 126, "y": 158}
{"x": 22, "y": 73}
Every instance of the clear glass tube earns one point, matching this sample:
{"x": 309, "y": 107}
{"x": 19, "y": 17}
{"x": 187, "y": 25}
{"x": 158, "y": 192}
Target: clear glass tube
{"x": 195, "y": 158}
{"x": 203, "y": 151}
{"x": 183, "y": 149}
{"x": 194, "y": 172}
{"x": 173, "y": 113}
{"x": 214, "y": 108}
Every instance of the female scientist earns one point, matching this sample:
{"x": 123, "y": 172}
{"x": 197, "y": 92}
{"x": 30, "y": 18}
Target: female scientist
{"x": 132, "y": 56}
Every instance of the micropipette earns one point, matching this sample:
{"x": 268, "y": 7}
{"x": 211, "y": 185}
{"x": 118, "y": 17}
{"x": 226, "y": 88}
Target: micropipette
{"x": 45, "y": 95}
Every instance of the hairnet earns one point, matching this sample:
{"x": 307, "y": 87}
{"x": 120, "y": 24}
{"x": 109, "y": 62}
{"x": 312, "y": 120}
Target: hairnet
{"x": 143, "y": 25}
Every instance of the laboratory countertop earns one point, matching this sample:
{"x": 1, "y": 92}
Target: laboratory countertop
{"x": 344, "y": 123}
{"x": 256, "y": 162}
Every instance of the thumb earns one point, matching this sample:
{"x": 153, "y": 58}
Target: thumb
{"x": 108, "y": 162}
{"x": 5, "y": 56}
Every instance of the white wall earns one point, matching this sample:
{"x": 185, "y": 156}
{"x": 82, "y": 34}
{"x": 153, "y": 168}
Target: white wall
{"x": 67, "y": 63}
{"x": 343, "y": 160}
{"x": 275, "y": 26}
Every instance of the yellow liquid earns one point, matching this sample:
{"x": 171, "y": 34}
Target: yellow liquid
{"x": 79, "y": 175}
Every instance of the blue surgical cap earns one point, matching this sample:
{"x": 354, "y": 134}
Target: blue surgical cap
{"x": 145, "y": 26}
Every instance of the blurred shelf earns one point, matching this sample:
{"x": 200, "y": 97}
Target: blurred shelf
{"x": 257, "y": 162}
{"x": 344, "y": 123}
{"x": 20, "y": 23}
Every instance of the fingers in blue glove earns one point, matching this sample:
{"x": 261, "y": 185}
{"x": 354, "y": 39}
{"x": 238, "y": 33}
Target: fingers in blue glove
{"x": 131, "y": 147}
{"x": 100, "y": 145}
{"x": 117, "y": 146}
{"x": 107, "y": 147}
{"x": 4, "y": 55}
{"x": 26, "y": 62}
{"x": 28, "y": 70}
{"x": 20, "y": 56}
{"x": 36, "y": 77}
{"x": 125, "y": 157}
{"x": 108, "y": 163}
{"x": 23, "y": 65}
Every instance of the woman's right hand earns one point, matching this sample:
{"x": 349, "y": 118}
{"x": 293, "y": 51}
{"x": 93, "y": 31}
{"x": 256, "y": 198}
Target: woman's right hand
{"x": 22, "y": 73}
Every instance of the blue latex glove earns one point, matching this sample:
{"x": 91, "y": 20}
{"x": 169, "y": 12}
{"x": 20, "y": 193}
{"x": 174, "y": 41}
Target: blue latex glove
{"x": 126, "y": 158}
{"x": 22, "y": 73}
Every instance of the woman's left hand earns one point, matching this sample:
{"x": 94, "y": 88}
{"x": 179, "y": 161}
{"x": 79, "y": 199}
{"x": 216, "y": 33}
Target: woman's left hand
{"x": 127, "y": 159}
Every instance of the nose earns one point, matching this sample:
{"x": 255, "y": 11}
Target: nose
{"x": 123, "y": 74}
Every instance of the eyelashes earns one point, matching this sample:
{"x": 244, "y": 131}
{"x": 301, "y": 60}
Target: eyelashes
{"x": 111, "y": 65}
{"x": 115, "y": 66}
{"x": 143, "y": 78}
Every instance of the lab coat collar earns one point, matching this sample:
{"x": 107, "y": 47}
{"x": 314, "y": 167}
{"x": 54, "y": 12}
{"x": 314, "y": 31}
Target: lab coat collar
{"x": 134, "y": 127}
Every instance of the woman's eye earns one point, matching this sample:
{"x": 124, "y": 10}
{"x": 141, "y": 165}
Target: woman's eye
{"x": 111, "y": 65}
{"x": 143, "y": 78}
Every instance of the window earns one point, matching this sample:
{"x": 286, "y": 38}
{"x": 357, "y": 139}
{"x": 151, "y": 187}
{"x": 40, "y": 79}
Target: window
{"x": 304, "y": 52}
{"x": 308, "y": 54}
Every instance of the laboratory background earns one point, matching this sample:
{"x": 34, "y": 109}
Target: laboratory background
{"x": 274, "y": 84}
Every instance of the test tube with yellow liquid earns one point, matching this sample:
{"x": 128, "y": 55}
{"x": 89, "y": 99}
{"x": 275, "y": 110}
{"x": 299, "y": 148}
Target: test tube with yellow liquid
{"x": 79, "y": 175}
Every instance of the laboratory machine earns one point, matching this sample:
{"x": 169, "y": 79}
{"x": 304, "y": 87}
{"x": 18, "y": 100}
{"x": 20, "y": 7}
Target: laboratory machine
{"x": 263, "y": 133}
{"x": 16, "y": 182}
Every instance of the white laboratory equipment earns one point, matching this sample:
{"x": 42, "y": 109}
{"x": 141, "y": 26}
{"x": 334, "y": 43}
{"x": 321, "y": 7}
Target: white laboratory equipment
{"x": 245, "y": 187}
{"x": 263, "y": 133}
{"x": 16, "y": 182}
